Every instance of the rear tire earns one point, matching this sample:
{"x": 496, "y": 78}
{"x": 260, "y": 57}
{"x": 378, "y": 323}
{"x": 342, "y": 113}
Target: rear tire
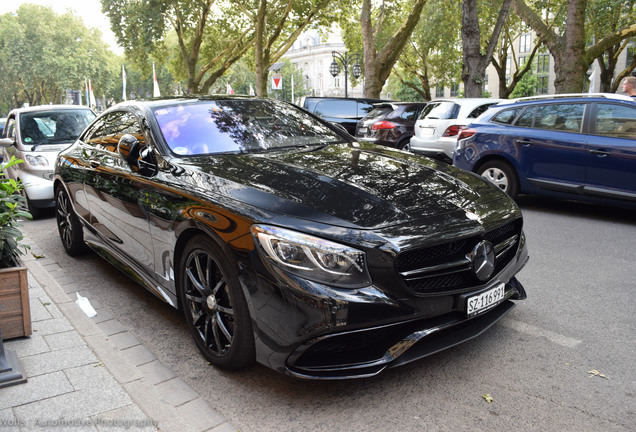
{"x": 502, "y": 175}
{"x": 405, "y": 145}
{"x": 68, "y": 224}
{"x": 214, "y": 306}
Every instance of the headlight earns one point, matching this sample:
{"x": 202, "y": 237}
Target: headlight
{"x": 312, "y": 258}
{"x": 36, "y": 160}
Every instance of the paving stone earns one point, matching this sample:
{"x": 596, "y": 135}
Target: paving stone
{"x": 28, "y": 346}
{"x": 102, "y": 315}
{"x": 57, "y": 360}
{"x": 224, "y": 427}
{"x": 155, "y": 372}
{"x": 52, "y": 326}
{"x": 64, "y": 340}
{"x": 36, "y": 388}
{"x": 124, "y": 340}
{"x": 199, "y": 413}
{"x": 176, "y": 392}
{"x": 38, "y": 311}
{"x": 84, "y": 326}
{"x": 92, "y": 375}
{"x": 111, "y": 327}
{"x": 81, "y": 404}
{"x": 127, "y": 418}
{"x": 8, "y": 422}
{"x": 71, "y": 288}
{"x": 138, "y": 355}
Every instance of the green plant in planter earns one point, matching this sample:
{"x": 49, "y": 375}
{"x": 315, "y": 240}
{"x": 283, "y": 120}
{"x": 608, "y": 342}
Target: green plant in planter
{"x": 12, "y": 209}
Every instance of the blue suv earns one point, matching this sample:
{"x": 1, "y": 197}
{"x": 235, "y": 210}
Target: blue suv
{"x": 580, "y": 146}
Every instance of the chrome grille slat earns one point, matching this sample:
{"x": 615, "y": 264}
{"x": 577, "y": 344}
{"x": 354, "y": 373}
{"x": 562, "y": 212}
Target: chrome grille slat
{"x": 446, "y": 267}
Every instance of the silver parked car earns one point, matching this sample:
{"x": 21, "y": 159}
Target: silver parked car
{"x": 440, "y": 122}
{"x": 36, "y": 135}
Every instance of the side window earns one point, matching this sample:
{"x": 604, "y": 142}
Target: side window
{"x": 479, "y": 110}
{"x": 427, "y": 109}
{"x": 410, "y": 113}
{"x": 506, "y": 116}
{"x": 336, "y": 108}
{"x": 526, "y": 119}
{"x": 616, "y": 121}
{"x": 560, "y": 117}
{"x": 364, "y": 108}
{"x": 106, "y": 132}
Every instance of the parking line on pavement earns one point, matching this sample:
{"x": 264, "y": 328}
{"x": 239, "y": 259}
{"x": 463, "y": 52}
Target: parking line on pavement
{"x": 556, "y": 338}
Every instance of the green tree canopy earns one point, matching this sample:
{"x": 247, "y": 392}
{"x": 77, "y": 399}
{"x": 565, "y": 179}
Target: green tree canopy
{"x": 42, "y": 54}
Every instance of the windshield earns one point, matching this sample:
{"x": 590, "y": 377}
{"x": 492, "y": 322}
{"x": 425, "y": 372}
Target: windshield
{"x": 239, "y": 125}
{"x": 53, "y": 127}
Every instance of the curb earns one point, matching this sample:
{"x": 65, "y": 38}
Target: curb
{"x": 156, "y": 389}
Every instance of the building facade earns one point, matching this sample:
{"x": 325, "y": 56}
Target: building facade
{"x": 311, "y": 54}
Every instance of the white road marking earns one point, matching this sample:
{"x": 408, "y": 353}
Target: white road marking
{"x": 556, "y": 338}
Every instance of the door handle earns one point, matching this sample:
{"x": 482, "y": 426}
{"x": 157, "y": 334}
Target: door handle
{"x": 600, "y": 152}
{"x": 94, "y": 164}
{"x": 523, "y": 142}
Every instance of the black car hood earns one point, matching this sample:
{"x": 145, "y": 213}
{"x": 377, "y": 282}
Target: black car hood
{"x": 354, "y": 185}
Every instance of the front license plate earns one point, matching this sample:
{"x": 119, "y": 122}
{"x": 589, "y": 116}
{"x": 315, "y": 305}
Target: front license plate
{"x": 484, "y": 301}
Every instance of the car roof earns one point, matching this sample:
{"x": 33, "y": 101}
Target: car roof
{"x": 41, "y": 108}
{"x": 575, "y": 96}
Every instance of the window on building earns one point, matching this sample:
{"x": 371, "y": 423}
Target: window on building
{"x": 522, "y": 61}
{"x": 525, "y": 43}
{"x": 543, "y": 64}
{"x": 439, "y": 91}
{"x": 454, "y": 89}
{"x": 630, "y": 55}
{"x": 542, "y": 85}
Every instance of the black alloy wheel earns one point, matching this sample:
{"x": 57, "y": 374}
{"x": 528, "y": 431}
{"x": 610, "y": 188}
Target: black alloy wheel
{"x": 68, "y": 224}
{"x": 214, "y": 306}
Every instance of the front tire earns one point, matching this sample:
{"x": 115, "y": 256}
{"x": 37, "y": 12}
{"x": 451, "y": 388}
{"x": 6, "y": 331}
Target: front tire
{"x": 214, "y": 306}
{"x": 502, "y": 175}
{"x": 68, "y": 224}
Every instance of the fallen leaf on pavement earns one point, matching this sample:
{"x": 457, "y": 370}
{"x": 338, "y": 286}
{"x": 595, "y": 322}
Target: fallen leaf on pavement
{"x": 488, "y": 398}
{"x": 36, "y": 256}
{"x": 594, "y": 372}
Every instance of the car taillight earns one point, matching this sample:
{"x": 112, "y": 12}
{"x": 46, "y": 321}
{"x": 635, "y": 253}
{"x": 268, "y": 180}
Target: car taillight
{"x": 453, "y": 130}
{"x": 466, "y": 133}
{"x": 382, "y": 125}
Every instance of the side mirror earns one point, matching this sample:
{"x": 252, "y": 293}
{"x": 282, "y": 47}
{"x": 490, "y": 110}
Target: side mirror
{"x": 7, "y": 142}
{"x": 128, "y": 148}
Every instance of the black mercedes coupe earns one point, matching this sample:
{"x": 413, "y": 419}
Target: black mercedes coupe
{"x": 284, "y": 240}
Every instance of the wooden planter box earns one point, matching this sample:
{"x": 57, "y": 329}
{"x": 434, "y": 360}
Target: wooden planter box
{"x": 15, "y": 313}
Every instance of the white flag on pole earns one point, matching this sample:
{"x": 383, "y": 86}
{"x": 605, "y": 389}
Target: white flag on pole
{"x": 155, "y": 84}
{"x": 252, "y": 92}
{"x": 91, "y": 95}
{"x": 593, "y": 81}
{"x": 123, "y": 79}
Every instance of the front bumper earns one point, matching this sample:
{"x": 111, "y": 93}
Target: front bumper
{"x": 312, "y": 331}
{"x": 38, "y": 186}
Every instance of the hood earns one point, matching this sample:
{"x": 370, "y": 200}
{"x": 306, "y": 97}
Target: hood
{"x": 355, "y": 185}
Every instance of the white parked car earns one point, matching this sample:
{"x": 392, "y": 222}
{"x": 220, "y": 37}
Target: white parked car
{"x": 440, "y": 122}
{"x": 36, "y": 135}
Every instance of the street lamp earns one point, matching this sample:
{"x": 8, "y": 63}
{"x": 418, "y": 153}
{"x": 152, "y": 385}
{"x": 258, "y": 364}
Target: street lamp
{"x": 334, "y": 68}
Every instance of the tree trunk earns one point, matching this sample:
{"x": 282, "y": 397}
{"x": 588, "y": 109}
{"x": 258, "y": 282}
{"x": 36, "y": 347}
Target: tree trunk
{"x": 261, "y": 77}
{"x": 379, "y": 64}
{"x": 475, "y": 63}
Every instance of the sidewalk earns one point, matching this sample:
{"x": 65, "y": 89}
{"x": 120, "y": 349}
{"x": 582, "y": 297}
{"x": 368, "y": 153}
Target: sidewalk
{"x": 91, "y": 374}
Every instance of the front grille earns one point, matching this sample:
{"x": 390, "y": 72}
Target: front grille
{"x": 445, "y": 268}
